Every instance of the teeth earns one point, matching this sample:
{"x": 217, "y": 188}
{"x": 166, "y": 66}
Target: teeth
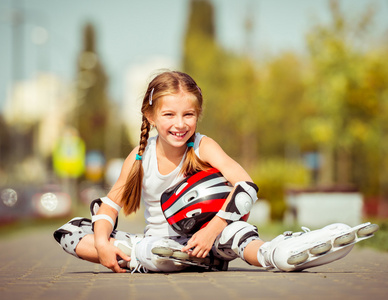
{"x": 179, "y": 134}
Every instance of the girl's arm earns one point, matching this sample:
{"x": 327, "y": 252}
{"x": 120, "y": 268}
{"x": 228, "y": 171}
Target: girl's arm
{"x": 203, "y": 240}
{"x": 107, "y": 253}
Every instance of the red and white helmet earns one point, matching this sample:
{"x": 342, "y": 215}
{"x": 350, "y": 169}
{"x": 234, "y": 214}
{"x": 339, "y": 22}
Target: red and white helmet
{"x": 192, "y": 203}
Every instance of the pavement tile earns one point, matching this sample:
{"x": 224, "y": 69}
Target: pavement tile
{"x": 33, "y": 266}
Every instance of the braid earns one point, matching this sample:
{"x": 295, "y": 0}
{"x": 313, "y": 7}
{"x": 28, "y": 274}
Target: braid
{"x": 193, "y": 163}
{"x": 145, "y": 130}
{"x": 132, "y": 189}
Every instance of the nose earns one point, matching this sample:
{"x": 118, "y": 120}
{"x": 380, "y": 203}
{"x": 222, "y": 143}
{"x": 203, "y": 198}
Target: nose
{"x": 180, "y": 122}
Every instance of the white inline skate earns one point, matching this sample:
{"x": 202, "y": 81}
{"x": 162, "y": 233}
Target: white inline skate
{"x": 174, "y": 254}
{"x": 302, "y": 250}
{"x": 158, "y": 254}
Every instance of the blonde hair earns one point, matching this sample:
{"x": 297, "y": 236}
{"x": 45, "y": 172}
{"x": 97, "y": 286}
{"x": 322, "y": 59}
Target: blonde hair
{"x": 166, "y": 83}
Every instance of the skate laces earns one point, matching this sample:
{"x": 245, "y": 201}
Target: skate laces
{"x": 291, "y": 233}
{"x": 135, "y": 264}
{"x": 139, "y": 269}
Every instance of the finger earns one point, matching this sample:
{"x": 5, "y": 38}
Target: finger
{"x": 195, "y": 252}
{"x": 124, "y": 256}
{"x": 116, "y": 268}
{"x": 201, "y": 253}
{"x": 186, "y": 248}
{"x": 189, "y": 246}
{"x": 205, "y": 253}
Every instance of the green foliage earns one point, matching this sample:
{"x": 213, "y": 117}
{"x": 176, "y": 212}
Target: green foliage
{"x": 345, "y": 83}
{"x": 229, "y": 85}
{"x": 280, "y": 106}
{"x": 333, "y": 100}
{"x": 273, "y": 177}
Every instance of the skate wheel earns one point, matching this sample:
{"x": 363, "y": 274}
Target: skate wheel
{"x": 180, "y": 255}
{"x": 367, "y": 230}
{"x": 297, "y": 258}
{"x": 344, "y": 239}
{"x": 320, "y": 249}
{"x": 162, "y": 251}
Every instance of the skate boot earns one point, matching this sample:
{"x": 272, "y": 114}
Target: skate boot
{"x": 174, "y": 253}
{"x": 302, "y": 250}
{"x": 129, "y": 248}
{"x": 157, "y": 254}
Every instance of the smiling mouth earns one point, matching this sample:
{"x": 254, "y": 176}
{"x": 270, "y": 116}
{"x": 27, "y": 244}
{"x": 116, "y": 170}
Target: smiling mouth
{"x": 178, "y": 134}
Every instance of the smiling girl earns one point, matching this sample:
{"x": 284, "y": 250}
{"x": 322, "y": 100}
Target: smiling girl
{"x": 172, "y": 105}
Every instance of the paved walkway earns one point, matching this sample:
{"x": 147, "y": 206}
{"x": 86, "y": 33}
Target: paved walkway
{"x": 33, "y": 266}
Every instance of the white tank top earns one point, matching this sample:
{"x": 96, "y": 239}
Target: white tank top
{"x": 154, "y": 184}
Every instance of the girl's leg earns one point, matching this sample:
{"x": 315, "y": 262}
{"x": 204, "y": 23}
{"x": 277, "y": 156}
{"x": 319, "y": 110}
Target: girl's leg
{"x": 238, "y": 239}
{"x": 86, "y": 250}
{"x": 72, "y": 233}
{"x": 77, "y": 238}
{"x": 250, "y": 252}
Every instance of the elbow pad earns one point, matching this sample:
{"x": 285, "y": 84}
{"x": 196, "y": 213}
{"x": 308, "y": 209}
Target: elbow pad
{"x": 241, "y": 202}
{"x": 95, "y": 206}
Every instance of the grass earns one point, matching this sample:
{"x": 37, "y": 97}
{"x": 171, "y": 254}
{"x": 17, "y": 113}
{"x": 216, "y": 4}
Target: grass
{"x": 29, "y": 225}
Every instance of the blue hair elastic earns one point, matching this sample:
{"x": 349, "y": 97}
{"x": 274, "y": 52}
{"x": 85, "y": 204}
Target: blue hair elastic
{"x": 190, "y": 144}
{"x": 138, "y": 157}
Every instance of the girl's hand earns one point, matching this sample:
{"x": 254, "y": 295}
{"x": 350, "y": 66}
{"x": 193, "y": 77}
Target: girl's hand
{"x": 200, "y": 243}
{"x": 108, "y": 254}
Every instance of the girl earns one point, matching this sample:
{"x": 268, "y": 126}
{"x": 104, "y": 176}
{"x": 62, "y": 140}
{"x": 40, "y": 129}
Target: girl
{"x": 173, "y": 104}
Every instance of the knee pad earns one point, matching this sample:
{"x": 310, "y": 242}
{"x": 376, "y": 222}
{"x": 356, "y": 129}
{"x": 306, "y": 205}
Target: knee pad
{"x": 232, "y": 241}
{"x": 240, "y": 204}
{"x": 69, "y": 235}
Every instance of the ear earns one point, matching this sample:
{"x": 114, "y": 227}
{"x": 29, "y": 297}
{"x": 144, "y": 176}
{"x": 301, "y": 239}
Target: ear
{"x": 150, "y": 119}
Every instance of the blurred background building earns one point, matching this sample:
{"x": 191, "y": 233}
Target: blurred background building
{"x": 298, "y": 91}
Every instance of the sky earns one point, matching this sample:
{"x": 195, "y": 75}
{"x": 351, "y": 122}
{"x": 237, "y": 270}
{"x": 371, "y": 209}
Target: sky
{"x": 132, "y": 32}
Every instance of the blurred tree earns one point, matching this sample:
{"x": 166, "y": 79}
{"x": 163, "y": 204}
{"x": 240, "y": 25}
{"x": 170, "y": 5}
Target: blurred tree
{"x": 332, "y": 101}
{"x": 347, "y": 109}
{"x": 96, "y": 117}
{"x": 228, "y": 83}
{"x": 281, "y": 107}
{"x": 93, "y": 111}
{"x": 371, "y": 133}
{"x": 5, "y": 144}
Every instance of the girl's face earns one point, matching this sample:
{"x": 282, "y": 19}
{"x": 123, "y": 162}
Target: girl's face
{"x": 175, "y": 118}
